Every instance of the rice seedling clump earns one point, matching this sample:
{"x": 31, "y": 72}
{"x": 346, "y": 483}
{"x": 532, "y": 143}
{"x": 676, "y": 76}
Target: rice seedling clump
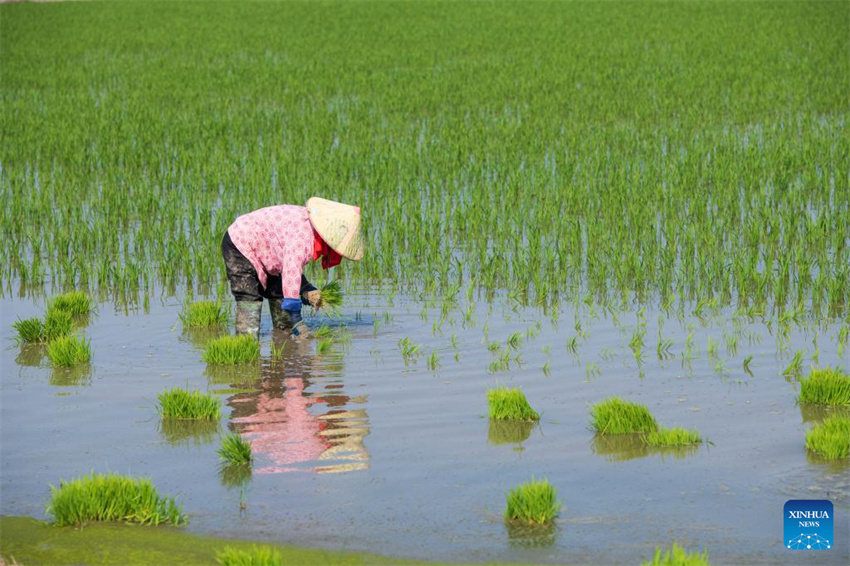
{"x": 615, "y": 416}
{"x": 675, "y": 436}
{"x": 831, "y": 438}
{"x": 534, "y": 502}
{"x": 57, "y": 323}
{"x": 232, "y": 350}
{"x": 30, "y": 330}
{"x": 112, "y": 497}
{"x": 204, "y": 314}
{"x": 332, "y": 296}
{"x": 678, "y": 556}
{"x": 825, "y": 386}
{"x": 69, "y": 351}
{"x": 256, "y": 556}
{"x": 509, "y": 403}
{"x": 75, "y": 303}
{"x": 235, "y": 450}
{"x": 183, "y": 404}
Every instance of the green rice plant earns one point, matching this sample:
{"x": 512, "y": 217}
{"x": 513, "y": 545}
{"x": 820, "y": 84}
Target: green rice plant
{"x": 112, "y": 497}
{"x": 204, "y": 314}
{"x": 324, "y": 345}
{"x": 433, "y": 361}
{"x": 68, "y": 351}
{"x": 232, "y": 350}
{"x": 184, "y": 404}
{"x": 831, "y": 438}
{"x": 30, "y": 330}
{"x": 332, "y": 296}
{"x": 409, "y": 350}
{"x": 533, "y": 502}
{"x": 57, "y": 323}
{"x": 678, "y": 556}
{"x": 235, "y": 450}
{"x": 323, "y": 332}
{"x": 514, "y": 341}
{"x": 509, "y": 403}
{"x": 615, "y": 416}
{"x": 796, "y": 366}
{"x": 256, "y": 556}
{"x": 75, "y": 303}
{"x": 675, "y": 436}
{"x": 825, "y": 386}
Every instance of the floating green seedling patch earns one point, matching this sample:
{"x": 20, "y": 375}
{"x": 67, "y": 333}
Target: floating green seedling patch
{"x": 112, "y": 497}
{"x": 675, "y": 436}
{"x": 825, "y": 386}
{"x": 534, "y": 502}
{"x": 678, "y": 556}
{"x": 235, "y": 450}
{"x": 255, "y": 556}
{"x": 232, "y": 350}
{"x": 204, "y": 314}
{"x": 75, "y": 303}
{"x": 180, "y": 403}
{"x": 831, "y": 438}
{"x": 68, "y": 351}
{"x": 615, "y": 416}
{"x": 509, "y": 403}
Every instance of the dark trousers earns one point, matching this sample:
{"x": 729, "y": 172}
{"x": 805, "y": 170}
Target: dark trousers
{"x": 244, "y": 283}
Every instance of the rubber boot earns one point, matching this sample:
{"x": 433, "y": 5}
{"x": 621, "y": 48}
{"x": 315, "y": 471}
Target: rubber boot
{"x": 280, "y": 318}
{"x": 248, "y": 317}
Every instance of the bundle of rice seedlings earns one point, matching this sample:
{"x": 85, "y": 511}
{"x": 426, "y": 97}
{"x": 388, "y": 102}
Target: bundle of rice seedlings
{"x": 235, "y": 450}
{"x": 509, "y": 403}
{"x": 112, "y": 497}
{"x": 68, "y": 351}
{"x": 256, "y": 556}
{"x": 676, "y": 436}
{"x": 204, "y": 314}
{"x": 232, "y": 350}
{"x": 825, "y": 386}
{"x": 831, "y": 438}
{"x": 534, "y": 502}
{"x": 678, "y": 556}
{"x": 74, "y": 303}
{"x": 615, "y": 416}
{"x": 332, "y": 296}
{"x": 184, "y": 404}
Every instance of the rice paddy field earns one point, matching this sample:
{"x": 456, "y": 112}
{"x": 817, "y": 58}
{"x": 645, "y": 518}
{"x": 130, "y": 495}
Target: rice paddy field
{"x": 644, "y": 202}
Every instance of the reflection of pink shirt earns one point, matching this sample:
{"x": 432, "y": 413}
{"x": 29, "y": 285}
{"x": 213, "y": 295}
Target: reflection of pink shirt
{"x": 277, "y": 240}
{"x": 283, "y": 429}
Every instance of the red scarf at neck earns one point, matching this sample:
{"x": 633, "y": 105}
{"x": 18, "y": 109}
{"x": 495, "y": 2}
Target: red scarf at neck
{"x": 321, "y": 249}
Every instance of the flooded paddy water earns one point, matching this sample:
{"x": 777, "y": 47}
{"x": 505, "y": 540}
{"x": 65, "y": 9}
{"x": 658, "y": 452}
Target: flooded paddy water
{"x": 357, "y": 449}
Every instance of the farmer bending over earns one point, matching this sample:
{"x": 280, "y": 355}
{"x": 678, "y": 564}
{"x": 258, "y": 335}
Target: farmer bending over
{"x": 265, "y": 250}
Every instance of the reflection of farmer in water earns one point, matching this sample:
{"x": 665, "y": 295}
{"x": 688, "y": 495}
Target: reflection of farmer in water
{"x": 281, "y": 422}
{"x": 265, "y": 251}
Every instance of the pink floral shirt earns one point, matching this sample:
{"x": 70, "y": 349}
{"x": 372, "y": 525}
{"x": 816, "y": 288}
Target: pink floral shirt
{"x": 277, "y": 240}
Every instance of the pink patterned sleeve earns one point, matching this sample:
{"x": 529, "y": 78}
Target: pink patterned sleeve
{"x": 299, "y": 243}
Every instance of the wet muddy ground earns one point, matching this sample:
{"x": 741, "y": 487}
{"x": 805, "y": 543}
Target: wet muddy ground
{"x": 357, "y": 449}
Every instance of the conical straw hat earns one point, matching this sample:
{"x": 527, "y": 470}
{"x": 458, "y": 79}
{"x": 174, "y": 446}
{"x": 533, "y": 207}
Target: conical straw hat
{"x": 339, "y": 226}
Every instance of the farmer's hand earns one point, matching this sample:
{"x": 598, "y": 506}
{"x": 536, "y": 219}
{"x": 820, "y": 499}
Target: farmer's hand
{"x": 300, "y": 331}
{"x": 313, "y": 298}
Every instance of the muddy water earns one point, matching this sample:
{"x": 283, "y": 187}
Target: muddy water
{"x": 357, "y": 449}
